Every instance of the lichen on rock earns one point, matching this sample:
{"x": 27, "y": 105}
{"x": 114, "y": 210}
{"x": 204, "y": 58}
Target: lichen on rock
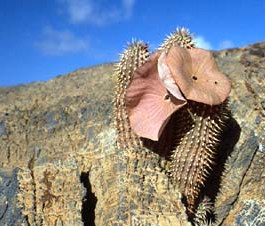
{"x": 63, "y": 127}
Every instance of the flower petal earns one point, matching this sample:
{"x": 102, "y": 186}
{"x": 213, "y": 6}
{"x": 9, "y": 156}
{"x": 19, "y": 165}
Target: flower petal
{"x": 167, "y": 78}
{"x": 197, "y": 75}
{"x": 148, "y": 102}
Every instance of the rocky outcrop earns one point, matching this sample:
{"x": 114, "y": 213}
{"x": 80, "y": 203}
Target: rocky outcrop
{"x": 59, "y": 163}
{"x": 43, "y": 126}
{"x": 242, "y": 185}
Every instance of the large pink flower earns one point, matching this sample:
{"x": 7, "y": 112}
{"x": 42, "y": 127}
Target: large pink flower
{"x": 148, "y": 102}
{"x": 161, "y": 86}
{"x": 197, "y": 75}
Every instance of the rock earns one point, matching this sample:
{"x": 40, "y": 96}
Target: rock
{"x": 251, "y": 213}
{"x": 59, "y": 163}
{"x": 244, "y": 169}
{"x": 10, "y": 213}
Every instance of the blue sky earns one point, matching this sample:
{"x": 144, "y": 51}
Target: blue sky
{"x": 43, "y": 39}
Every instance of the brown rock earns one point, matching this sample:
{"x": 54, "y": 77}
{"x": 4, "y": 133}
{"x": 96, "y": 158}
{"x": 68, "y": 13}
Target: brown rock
{"x": 56, "y": 139}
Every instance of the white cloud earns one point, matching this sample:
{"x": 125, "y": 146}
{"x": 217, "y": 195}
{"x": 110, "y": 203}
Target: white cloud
{"x": 56, "y": 42}
{"x": 128, "y": 7}
{"x": 202, "y": 43}
{"x": 98, "y": 12}
{"x": 226, "y": 44}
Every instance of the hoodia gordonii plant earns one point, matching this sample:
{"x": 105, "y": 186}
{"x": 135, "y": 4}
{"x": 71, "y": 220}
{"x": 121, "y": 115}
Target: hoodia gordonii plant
{"x": 173, "y": 101}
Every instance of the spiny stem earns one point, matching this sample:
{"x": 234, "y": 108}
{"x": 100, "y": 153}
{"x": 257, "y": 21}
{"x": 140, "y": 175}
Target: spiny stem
{"x": 133, "y": 57}
{"x": 181, "y": 37}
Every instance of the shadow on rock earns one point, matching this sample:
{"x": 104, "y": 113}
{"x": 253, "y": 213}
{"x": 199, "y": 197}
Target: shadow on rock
{"x": 89, "y": 202}
{"x": 229, "y": 138}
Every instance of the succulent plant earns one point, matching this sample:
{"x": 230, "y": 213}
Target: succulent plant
{"x": 134, "y": 56}
{"x": 173, "y": 101}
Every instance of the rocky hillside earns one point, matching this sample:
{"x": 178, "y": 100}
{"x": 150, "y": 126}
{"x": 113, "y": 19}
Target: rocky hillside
{"x": 58, "y": 164}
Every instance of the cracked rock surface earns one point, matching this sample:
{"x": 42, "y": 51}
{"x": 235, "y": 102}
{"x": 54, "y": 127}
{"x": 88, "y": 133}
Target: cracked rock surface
{"x": 59, "y": 164}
